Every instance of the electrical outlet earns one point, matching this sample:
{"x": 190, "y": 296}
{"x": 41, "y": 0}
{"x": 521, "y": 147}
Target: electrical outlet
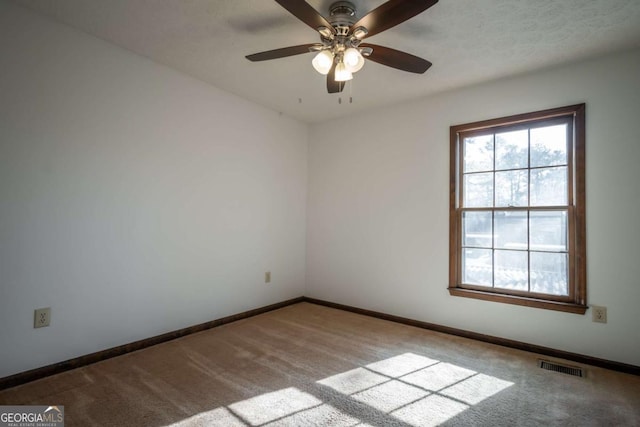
{"x": 599, "y": 314}
{"x": 42, "y": 317}
{"x": 267, "y": 277}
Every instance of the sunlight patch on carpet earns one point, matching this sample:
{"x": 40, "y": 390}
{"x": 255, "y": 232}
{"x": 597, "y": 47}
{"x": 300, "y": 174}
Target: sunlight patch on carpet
{"x": 390, "y": 395}
{"x": 476, "y": 389}
{"x": 415, "y": 389}
{"x": 286, "y": 407}
{"x": 407, "y": 388}
{"x": 430, "y": 411}
{"x": 438, "y": 376}
{"x": 271, "y": 406}
{"x": 324, "y": 415}
{"x": 219, "y": 417}
{"x": 354, "y": 380}
{"x": 403, "y": 364}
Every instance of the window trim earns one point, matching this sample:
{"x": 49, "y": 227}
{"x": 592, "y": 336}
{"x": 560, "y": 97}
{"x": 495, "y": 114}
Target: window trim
{"x": 577, "y": 302}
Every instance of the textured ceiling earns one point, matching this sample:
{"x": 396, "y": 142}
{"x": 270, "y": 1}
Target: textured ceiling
{"x": 468, "y": 41}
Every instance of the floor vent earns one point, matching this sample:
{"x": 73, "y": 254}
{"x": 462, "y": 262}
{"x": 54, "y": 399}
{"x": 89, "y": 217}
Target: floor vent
{"x": 569, "y": 370}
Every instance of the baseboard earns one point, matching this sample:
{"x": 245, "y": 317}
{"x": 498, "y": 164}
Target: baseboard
{"x": 579, "y": 358}
{"x": 56, "y": 368}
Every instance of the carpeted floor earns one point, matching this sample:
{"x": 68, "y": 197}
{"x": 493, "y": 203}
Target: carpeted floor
{"x": 309, "y": 365}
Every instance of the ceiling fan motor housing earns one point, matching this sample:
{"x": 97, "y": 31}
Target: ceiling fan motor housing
{"x": 342, "y": 8}
{"x": 342, "y": 15}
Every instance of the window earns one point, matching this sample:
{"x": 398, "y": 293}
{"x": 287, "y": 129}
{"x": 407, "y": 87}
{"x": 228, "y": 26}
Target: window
{"x": 517, "y": 218}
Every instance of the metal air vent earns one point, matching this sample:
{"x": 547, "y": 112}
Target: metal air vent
{"x": 564, "y": 369}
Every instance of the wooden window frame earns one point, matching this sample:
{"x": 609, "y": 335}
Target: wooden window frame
{"x": 576, "y": 302}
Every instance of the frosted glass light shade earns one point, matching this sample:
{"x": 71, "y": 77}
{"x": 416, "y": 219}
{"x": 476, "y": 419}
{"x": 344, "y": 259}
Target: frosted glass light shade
{"x": 342, "y": 73}
{"x": 323, "y": 62}
{"x": 353, "y": 60}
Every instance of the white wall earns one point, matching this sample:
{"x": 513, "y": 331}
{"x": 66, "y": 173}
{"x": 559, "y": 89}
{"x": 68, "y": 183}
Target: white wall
{"x": 134, "y": 200}
{"x": 377, "y": 226}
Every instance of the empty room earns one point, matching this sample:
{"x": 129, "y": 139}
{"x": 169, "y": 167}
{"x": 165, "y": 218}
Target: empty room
{"x": 338, "y": 213}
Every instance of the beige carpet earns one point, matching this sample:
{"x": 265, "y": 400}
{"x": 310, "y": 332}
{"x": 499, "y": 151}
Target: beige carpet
{"x": 309, "y": 365}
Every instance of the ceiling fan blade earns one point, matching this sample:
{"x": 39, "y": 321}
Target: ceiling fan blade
{"x": 397, "y": 59}
{"x": 307, "y": 14}
{"x": 281, "y": 53}
{"x": 390, "y": 14}
{"x": 332, "y": 85}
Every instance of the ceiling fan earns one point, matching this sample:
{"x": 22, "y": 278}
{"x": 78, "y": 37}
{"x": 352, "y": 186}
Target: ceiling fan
{"x": 341, "y": 51}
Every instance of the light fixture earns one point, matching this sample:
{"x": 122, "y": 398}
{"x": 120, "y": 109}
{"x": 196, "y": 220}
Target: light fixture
{"x": 340, "y": 53}
{"x": 348, "y": 60}
{"x": 342, "y": 73}
{"x": 366, "y": 51}
{"x": 353, "y": 60}
{"x": 360, "y": 33}
{"x": 323, "y": 62}
{"x": 325, "y": 32}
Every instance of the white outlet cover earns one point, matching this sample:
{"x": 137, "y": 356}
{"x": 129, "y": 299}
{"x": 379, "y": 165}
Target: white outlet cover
{"x": 599, "y": 314}
{"x": 42, "y": 317}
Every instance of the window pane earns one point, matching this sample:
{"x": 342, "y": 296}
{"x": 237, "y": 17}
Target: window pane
{"x": 510, "y": 230}
{"x": 511, "y": 270}
{"x": 548, "y": 231}
{"x": 478, "y": 154}
{"x": 476, "y": 229}
{"x": 549, "y": 146}
{"x": 512, "y": 188}
{"x": 549, "y": 273}
{"x": 549, "y": 186}
{"x": 478, "y": 190}
{"x": 512, "y": 150}
{"x": 517, "y": 208}
{"x": 477, "y": 267}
